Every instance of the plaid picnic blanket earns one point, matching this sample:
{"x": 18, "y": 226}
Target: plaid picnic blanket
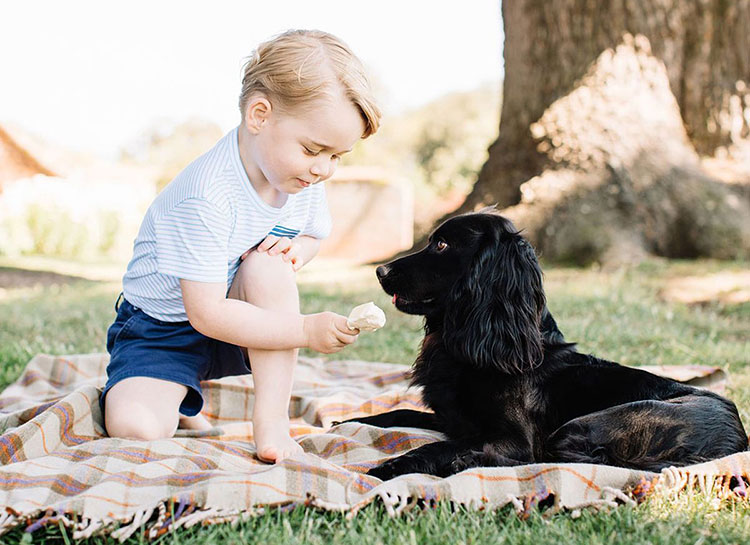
{"x": 58, "y": 466}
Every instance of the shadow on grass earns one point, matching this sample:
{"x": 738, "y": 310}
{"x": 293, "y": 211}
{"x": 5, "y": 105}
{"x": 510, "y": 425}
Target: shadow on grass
{"x": 12, "y": 278}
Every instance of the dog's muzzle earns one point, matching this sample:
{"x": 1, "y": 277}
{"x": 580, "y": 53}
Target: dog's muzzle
{"x": 382, "y": 271}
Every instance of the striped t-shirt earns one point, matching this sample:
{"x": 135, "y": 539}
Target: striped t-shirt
{"x": 203, "y": 221}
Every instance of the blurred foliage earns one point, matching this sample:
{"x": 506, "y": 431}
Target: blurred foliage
{"x": 56, "y": 233}
{"x": 71, "y": 218}
{"x": 441, "y": 146}
{"x": 438, "y": 148}
{"x": 52, "y": 230}
{"x": 169, "y": 146}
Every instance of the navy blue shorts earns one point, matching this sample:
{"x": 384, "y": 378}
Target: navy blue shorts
{"x": 142, "y": 346}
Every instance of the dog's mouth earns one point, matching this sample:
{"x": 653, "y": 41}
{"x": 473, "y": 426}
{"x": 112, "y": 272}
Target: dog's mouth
{"x": 411, "y": 306}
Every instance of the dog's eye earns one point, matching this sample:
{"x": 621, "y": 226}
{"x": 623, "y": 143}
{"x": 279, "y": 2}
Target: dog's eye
{"x": 441, "y": 246}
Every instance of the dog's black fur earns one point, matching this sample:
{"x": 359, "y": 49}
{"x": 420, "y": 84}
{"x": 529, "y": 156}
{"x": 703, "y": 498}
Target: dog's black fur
{"x": 505, "y": 387}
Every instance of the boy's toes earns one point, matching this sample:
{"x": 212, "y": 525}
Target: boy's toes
{"x": 272, "y": 454}
{"x": 268, "y": 454}
{"x": 290, "y": 451}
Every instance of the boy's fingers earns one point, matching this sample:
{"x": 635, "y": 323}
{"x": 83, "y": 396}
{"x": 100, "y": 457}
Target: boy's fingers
{"x": 343, "y": 327}
{"x": 345, "y": 338}
{"x": 290, "y": 254}
{"x": 267, "y": 243}
{"x": 282, "y": 246}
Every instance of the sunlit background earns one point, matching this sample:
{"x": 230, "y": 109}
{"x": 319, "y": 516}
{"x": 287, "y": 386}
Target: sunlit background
{"x": 93, "y": 75}
{"x": 103, "y": 103}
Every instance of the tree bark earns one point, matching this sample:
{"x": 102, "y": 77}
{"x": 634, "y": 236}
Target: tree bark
{"x": 606, "y": 108}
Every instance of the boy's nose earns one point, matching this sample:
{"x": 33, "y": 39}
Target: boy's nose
{"x": 321, "y": 169}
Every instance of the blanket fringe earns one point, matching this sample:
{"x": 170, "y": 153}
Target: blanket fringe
{"x": 516, "y": 503}
{"x": 397, "y": 503}
{"x": 89, "y": 528}
{"x": 124, "y": 532}
{"x": 724, "y": 485}
{"x": 7, "y": 521}
{"x": 203, "y": 516}
{"x": 173, "y": 514}
{"x": 396, "y": 496}
{"x": 616, "y": 493}
{"x": 357, "y": 507}
{"x": 170, "y": 515}
{"x": 398, "y": 499}
{"x": 314, "y": 501}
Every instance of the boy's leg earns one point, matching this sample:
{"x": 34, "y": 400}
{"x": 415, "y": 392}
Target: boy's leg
{"x": 143, "y": 408}
{"x": 270, "y": 282}
{"x": 197, "y": 422}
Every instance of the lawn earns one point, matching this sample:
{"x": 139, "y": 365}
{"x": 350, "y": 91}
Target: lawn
{"x": 617, "y": 315}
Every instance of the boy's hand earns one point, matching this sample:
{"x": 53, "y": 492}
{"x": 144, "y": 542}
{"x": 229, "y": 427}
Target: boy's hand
{"x": 288, "y": 248}
{"x": 327, "y": 332}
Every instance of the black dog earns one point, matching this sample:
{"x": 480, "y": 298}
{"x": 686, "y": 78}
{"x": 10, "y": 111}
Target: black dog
{"x": 505, "y": 387}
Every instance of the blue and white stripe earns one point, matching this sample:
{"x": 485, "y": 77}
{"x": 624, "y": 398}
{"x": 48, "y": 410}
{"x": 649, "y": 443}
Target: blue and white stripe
{"x": 203, "y": 221}
{"x": 281, "y": 231}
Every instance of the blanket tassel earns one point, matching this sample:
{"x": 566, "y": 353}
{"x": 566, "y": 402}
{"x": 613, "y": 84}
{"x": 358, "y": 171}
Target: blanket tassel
{"x": 88, "y": 529}
{"x": 124, "y": 532}
{"x": 674, "y": 480}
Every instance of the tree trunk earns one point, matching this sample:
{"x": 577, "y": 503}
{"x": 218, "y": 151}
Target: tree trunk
{"x": 606, "y": 108}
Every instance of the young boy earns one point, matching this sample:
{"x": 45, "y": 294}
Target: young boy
{"x": 197, "y": 303}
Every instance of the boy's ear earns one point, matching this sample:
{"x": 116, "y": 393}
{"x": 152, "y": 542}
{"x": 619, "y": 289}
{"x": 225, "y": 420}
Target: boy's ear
{"x": 257, "y": 112}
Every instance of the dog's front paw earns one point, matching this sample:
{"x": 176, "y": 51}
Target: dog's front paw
{"x": 382, "y": 472}
{"x": 371, "y": 420}
{"x": 466, "y": 460}
{"x": 359, "y": 420}
{"x": 391, "y": 468}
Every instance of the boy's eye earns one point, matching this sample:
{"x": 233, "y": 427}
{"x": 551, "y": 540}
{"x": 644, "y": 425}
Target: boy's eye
{"x": 310, "y": 152}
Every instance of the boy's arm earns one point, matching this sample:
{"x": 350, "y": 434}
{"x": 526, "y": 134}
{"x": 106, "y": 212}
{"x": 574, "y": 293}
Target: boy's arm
{"x": 233, "y": 321}
{"x": 243, "y": 324}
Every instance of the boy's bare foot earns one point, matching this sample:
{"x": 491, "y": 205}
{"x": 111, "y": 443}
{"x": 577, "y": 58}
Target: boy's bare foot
{"x": 197, "y": 422}
{"x": 272, "y": 440}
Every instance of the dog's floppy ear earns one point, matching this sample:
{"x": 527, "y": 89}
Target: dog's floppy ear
{"x": 493, "y": 313}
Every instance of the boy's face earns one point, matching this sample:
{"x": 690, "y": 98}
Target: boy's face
{"x": 294, "y": 150}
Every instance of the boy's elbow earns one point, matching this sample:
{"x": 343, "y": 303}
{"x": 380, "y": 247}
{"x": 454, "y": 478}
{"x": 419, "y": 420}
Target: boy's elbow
{"x": 202, "y": 316}
{"x": 199, "y": 319}
{"x": 202, "y": 305}
{"x": 198, "y": 324}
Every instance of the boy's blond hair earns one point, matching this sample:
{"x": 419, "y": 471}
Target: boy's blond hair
{"x": 297, "y": 67}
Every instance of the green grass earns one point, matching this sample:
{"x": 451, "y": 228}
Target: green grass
{"x": 698, "y": 522}
{"x": 617, "y": 315}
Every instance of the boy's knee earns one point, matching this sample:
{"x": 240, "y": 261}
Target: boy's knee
{"x": 261, "y": 265}
{"x": 261, "y": 275}
{"x": 143, "y": 408}
{"x": 138, "y": 422}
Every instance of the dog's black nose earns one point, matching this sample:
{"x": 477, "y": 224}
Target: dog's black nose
{"x": 381, "y": 271}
